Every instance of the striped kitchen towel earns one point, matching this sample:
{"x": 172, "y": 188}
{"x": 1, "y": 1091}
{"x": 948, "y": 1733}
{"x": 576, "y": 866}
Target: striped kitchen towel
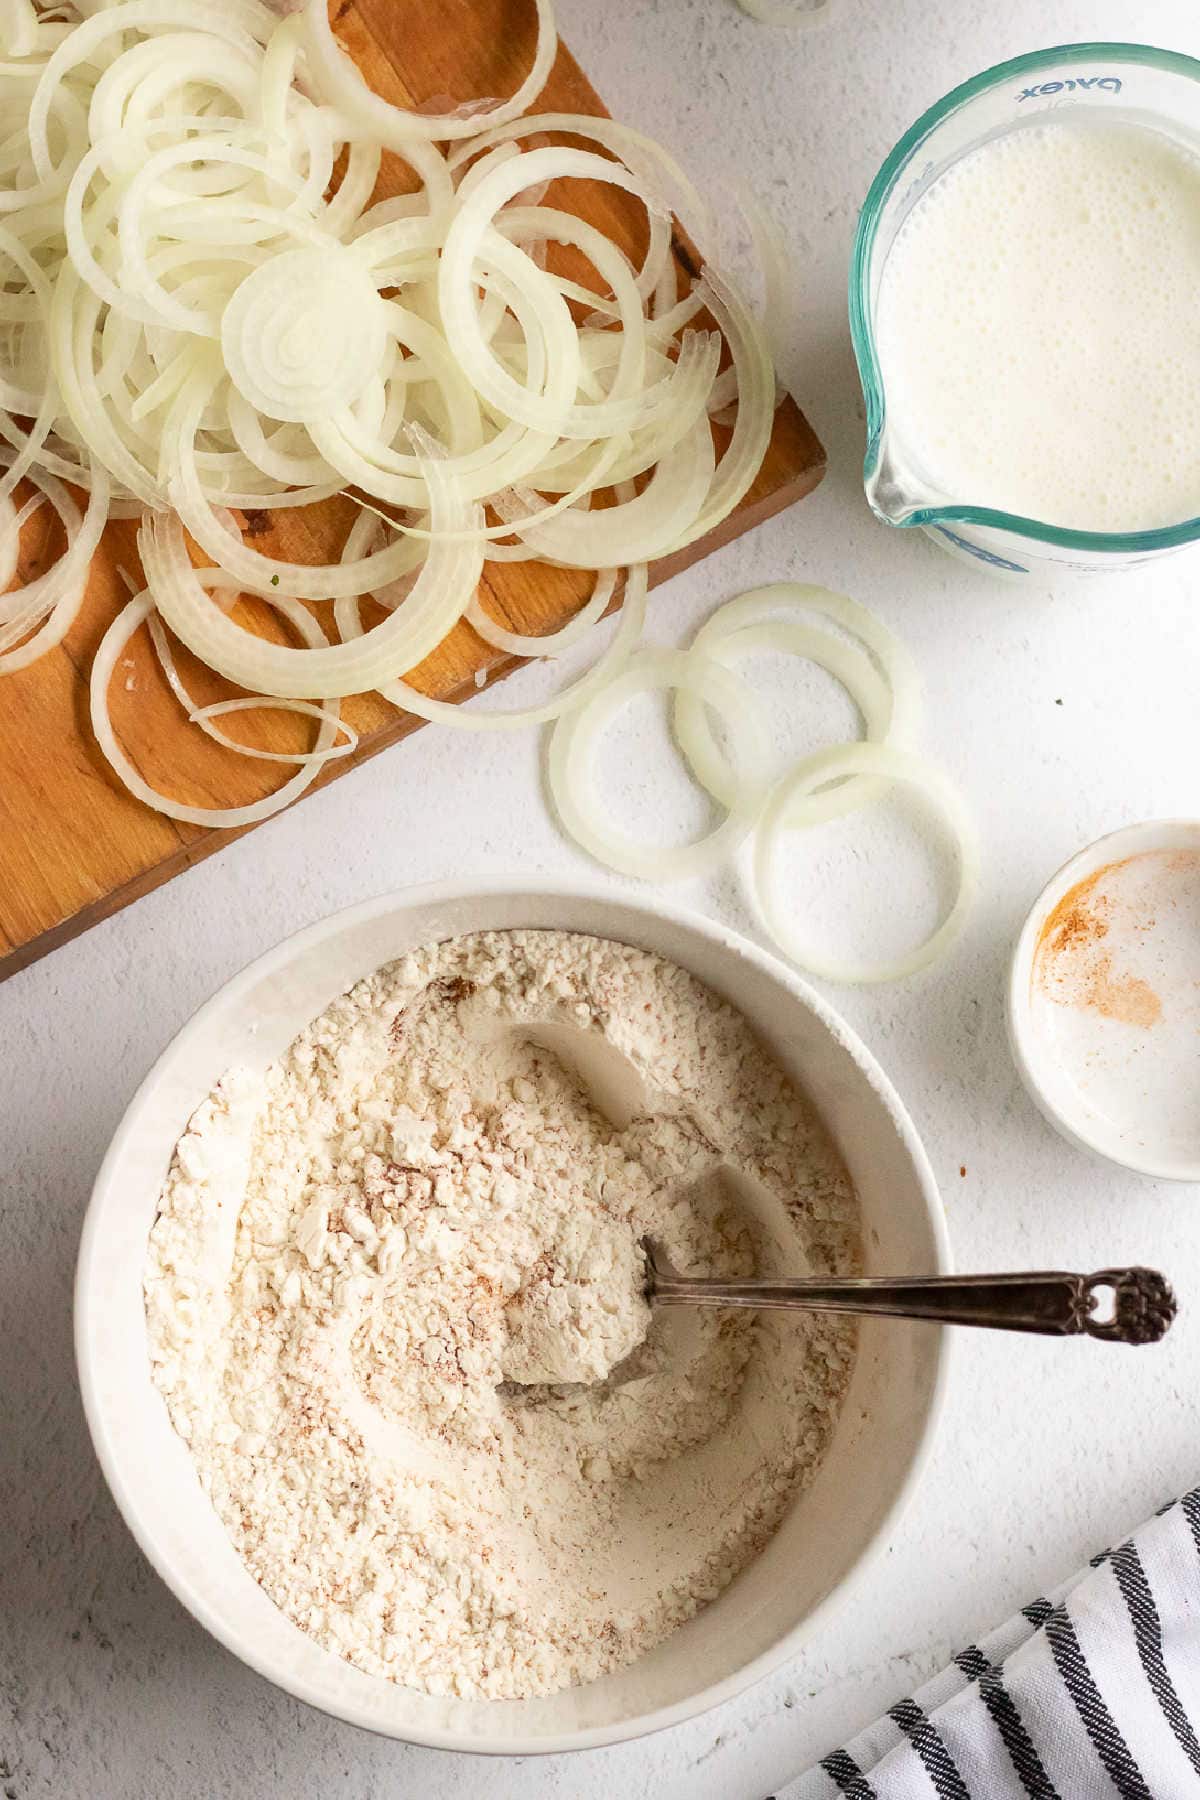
{"x": 1089, "y": 1693}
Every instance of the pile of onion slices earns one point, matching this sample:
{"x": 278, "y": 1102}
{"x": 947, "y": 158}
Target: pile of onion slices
{"x": 234, "y": 277}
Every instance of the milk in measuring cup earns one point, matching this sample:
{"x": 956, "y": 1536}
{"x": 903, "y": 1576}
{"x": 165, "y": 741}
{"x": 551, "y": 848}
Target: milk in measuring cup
{"x": 1038, "y": 328}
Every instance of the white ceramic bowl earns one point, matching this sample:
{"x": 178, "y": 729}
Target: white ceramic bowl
{"x": 1125, "y": 1088}
{"x": 826, "y": 1540}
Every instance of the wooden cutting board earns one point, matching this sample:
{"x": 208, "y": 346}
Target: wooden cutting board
{"x": 74, "y": 846}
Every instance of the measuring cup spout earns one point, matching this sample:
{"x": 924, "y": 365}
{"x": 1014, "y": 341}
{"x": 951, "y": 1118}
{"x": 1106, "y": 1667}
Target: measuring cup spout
{"x": 894, "y": 496}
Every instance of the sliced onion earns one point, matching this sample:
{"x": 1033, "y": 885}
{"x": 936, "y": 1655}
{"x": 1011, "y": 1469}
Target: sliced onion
{"x": 443, "y": 712}
{"x": 52, "y": 602}
{"x": 438, "y": 600}
{"x": 653, "y": 164}
{"x": 277, "y": 462}
{"x": 133, "y": 614}
{"x": 199, "y": 314}
{"x": 203, "y": 715}
{"x": 743, "y": 457}
{"x": 239, "y": 22}
{"x": 780, "y": 275}
{"x": 21, "y": 608}
{"x": 74, "y": 314}
{"x": 12, "y": 523}
{"x": 138, "y": 289}
{"x": 849, "y": 666}
{"x": 18, "y": 27}
{"x": 573, "y": 746}
{"x": 263, "y": 575}
{"x": 889, "y": 706}
{"x": 638, "y": 529}
{"x": 391, "y": 125}
{"x": 893, "y": 657}
{"x": 791, "y": 806}
{"x": 470, "y": 239}
{"x": 554, "y": 643}
{"x": 283, "y": 309}
{"x": 190, "y": 169}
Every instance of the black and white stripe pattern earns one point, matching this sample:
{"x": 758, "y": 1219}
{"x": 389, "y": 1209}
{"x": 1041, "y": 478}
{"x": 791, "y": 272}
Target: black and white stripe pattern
{"x": 1088, "y": 1702}
{"x": 1008, "y": 1723}
{"x": 914, "y": 1722}
{"x": 842, "y": 1768}
{"x": 1092, "y": 1693}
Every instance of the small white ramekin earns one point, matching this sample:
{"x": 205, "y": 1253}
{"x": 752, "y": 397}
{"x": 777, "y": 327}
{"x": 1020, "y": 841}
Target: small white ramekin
{"x": 826, "y": 1542}
{"x": 1065, "y": 1087}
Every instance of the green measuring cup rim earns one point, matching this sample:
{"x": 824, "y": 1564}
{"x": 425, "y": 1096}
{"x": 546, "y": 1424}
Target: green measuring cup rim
{"x": 1125, "y": 543}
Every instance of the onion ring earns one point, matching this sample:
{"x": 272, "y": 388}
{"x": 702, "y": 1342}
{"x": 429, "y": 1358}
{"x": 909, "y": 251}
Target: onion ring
{"x": 572, "y": 751}
{"x": 785, "y": 810}
{"x": 133, "y": 614}
{"x": 889, "y": 707}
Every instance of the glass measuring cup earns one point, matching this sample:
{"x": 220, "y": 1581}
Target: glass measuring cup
{"x": 1139, "y": 84}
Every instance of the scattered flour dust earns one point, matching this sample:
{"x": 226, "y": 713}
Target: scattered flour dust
{"x": 435, "y": 1196}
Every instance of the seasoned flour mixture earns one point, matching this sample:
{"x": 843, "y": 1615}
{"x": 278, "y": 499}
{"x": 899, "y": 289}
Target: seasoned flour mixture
{"x": 394, "y": 1297}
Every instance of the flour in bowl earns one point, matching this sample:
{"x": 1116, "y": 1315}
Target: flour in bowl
{"x": 395, "y": 1304}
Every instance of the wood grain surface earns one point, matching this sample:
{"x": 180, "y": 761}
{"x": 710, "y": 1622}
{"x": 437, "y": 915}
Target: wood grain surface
{"x": 74, "y": 845}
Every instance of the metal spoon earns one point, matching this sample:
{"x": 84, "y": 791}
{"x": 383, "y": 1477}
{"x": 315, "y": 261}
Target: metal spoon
{"x": 1126, "y": 1306}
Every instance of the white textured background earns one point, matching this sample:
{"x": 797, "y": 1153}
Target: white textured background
{"x": 109, "y": 1691}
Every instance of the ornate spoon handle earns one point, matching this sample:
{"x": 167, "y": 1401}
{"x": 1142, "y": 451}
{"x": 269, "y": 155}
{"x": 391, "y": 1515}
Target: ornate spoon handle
{"x": 1127, "y": 1306}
